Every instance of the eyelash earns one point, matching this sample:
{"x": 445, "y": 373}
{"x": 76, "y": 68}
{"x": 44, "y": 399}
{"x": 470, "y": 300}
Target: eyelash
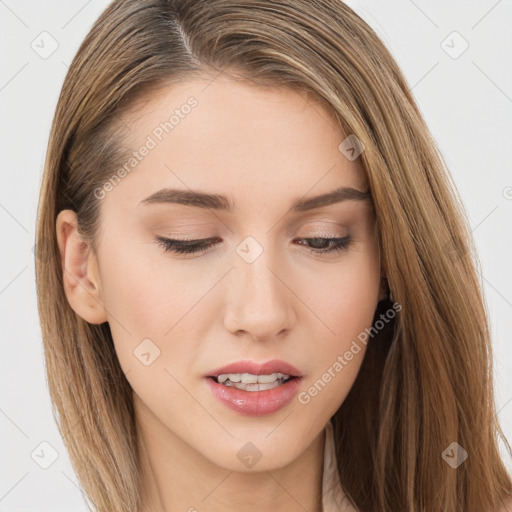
{"x": 201, "y": 246}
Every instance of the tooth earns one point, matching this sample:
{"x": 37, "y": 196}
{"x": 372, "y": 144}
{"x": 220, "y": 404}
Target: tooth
{"x": 264, "y": 379}
{"x": 256, "y": 387}
{"x": 247, "y": 378}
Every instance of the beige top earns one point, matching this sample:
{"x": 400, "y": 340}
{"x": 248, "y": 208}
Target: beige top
{"x": 333, "y": 497}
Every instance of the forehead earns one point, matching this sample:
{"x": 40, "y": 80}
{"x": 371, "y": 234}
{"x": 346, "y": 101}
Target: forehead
{"x": 221, "y": 135}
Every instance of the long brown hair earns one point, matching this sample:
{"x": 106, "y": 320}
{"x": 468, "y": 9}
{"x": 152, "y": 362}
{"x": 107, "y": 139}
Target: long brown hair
{"x": 426, "y": 380}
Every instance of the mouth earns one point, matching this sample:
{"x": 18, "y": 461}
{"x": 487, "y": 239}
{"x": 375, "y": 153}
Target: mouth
{"x": 255, "y": 389}
{"x": 251, "y": 382}
{"x": 252, "y": 372}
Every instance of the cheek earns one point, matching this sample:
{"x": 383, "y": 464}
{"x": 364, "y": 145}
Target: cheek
{"x": 146, "y": 288}
{"x": 343, "y": 295}
{"x": 145, "y": 299}
{"x": 344, "y": 301}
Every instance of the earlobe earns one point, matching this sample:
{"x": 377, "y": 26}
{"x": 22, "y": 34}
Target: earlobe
{"x": 80, "y": 274}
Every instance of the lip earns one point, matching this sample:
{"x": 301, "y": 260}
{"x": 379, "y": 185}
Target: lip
{"x": 255, "y": 403}
{"x": 255, "y": 368}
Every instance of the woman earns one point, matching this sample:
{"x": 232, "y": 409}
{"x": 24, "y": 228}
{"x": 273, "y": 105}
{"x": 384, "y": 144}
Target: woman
{"x": 255, "y": 279}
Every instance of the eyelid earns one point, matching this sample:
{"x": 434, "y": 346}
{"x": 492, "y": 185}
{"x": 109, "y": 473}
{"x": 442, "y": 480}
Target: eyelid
{"x": 340, "y": 245}
{"x": 306, "y": 233}
{"x": 323, "y": 234}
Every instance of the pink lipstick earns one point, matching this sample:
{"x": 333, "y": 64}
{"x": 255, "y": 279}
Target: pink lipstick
{"x": 255, "y": 389}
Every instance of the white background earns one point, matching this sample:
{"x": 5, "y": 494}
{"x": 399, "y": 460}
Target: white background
{"x": 466, "y": 101}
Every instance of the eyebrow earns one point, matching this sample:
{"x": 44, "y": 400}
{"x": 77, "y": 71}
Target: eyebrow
{"x": 221, "y": 203}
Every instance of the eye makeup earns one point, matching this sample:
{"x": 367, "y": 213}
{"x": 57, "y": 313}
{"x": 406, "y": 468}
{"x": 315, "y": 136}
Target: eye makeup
{"x": 327, "y": 245}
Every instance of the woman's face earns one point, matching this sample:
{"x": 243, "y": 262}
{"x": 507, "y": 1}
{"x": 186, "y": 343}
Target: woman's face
{"x": 259, "y": 292}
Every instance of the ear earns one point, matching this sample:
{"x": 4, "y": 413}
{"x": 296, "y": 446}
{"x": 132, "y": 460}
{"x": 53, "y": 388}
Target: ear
{"x": 80, "y": 270}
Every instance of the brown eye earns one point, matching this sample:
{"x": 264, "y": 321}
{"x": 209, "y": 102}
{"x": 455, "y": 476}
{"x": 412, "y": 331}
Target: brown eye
{"x": 317, "y": 245}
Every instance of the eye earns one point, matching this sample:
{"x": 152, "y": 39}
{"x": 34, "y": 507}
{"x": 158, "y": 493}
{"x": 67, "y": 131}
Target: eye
{"x": 185, "y": 246}
{"x": 203, "y": 245}
{"x": 337, "y": 244}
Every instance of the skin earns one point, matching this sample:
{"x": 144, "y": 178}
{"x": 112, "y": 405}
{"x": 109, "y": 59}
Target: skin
{"x": 262, "y": 148}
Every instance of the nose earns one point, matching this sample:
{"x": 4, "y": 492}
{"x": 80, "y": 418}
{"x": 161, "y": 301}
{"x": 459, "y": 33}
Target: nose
{"x": 259, "y": 300}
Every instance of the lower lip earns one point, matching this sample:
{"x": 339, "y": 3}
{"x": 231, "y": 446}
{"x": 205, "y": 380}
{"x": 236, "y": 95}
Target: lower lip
{"x": 256, "y": 403}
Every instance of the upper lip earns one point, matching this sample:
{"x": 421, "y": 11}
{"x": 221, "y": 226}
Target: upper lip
{"x": 255, "y": 368}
